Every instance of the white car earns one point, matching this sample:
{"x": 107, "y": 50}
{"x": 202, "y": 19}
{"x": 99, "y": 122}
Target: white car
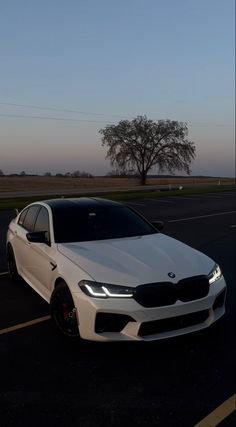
{"x": 109, "y": 274}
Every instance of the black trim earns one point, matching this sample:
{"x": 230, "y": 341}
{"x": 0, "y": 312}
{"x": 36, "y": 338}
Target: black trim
{"x": 219, "y": 301}
{"x": 173, "y": 323}
{"x": 111, "y": 322}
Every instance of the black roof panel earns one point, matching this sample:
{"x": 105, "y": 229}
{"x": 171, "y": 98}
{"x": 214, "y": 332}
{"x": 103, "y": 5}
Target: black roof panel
{"x": 86, "y": 202}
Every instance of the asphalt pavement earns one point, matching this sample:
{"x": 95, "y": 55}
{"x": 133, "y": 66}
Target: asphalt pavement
{"x": 46, "y": 380}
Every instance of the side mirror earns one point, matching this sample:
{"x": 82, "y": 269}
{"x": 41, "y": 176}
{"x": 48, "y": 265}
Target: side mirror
{"x": 159, "y": 225}
{"x": 37, "y": 237}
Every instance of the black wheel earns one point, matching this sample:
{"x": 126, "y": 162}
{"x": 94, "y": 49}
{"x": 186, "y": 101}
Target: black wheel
{"x": 11, "y": 263}
{"x": 63, "y": 311}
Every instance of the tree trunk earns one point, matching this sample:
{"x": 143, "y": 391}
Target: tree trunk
{"x": 143, "y": 177}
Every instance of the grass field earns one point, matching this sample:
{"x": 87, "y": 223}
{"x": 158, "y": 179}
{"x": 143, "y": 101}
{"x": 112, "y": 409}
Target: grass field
{"x": 43, "y": 183}
{"x": 122, "y": 194}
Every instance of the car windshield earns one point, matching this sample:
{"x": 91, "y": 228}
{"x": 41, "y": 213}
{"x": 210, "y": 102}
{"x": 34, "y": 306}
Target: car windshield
{"x": 80, "y": 224}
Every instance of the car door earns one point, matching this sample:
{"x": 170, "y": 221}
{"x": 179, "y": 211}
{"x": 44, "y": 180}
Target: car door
{"x": 21, "y": 245}
{"x": 41, "y": 263}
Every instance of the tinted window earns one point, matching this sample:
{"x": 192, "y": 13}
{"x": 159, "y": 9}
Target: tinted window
{"x": 22, "y": 217}
{"x": 42, "y": 222}
{"x": 80, "y": 224}
{"x": 30, "y": 218}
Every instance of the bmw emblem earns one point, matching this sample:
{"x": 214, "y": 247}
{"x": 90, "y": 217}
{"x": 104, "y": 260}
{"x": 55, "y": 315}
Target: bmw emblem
{"x": 171, "y": 275}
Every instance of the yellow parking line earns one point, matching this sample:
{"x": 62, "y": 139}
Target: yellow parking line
{"x": 219, "y": 414}
{"x": 24, "y": 325}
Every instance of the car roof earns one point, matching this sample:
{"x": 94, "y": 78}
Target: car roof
{"x": 83, "y": 202}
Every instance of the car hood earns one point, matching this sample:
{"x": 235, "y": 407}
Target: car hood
{"x": 137, "y": 260}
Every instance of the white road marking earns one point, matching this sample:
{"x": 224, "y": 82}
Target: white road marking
{"x": 219, "y": 414}
{"x": 226, "y": 194}
{"x": 211, "y": 196}
{"x": 24, "y": 325}
{"x": 223, "y": 195}
{"x": 3, "y": 273}
{"x": 201, "y": 216}
{"x": 187, "y": 198}
{"x": 160, "y": 200}
{"x": 232, "y": 226}
{"x": 135, "y": 204}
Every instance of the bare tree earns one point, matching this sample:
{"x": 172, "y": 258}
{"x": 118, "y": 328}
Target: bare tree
{"x": 141, "y": 144}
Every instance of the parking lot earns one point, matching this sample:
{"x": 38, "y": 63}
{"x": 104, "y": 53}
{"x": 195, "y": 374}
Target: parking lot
{"x": 47, "y": 380}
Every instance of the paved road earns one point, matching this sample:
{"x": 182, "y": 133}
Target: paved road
{"x": 95, "y": 190}
{"x": 47, "y": 381}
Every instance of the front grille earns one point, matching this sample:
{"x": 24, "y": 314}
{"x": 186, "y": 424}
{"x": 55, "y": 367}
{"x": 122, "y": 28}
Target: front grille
{"x": 109, "y": 322}
{"x": 166, "y": 293}
{"x": 173, "y": 323}
{"x": 155, "y": 294}
{"x": 193, "y": 288}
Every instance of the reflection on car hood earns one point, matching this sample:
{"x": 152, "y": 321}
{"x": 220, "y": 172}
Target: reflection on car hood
{"x": 137, "y": 260}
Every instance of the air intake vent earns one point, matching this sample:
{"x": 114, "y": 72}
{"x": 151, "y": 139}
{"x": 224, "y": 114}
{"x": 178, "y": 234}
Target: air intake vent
{"x": 173, "y": 323}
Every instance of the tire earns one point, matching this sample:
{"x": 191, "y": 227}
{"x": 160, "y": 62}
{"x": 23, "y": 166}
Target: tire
{"x": 11, "y": 263}
{"x": 63, "y": 311}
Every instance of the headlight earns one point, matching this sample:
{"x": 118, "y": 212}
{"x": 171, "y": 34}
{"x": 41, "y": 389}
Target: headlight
{"x": 103, "y": 290}
{"x": 215, "y": 274}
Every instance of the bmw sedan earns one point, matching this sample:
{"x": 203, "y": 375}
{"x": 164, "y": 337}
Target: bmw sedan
{"x": 109, "y": 274}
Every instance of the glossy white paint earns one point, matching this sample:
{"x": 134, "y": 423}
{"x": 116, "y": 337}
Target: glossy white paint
{"x": 136, "y": 260}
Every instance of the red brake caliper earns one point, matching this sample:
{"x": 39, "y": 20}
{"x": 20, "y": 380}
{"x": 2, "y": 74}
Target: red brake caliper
{"x": 66, "y": 311}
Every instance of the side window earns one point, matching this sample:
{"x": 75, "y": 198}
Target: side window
{"x": 42, "y": 222}
{"x": 22, "y": 217}
{"x": 30, "y": 217}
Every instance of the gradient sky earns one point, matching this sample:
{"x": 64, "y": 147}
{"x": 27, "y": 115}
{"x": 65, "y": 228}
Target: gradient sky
{"x": 163, "y": 58}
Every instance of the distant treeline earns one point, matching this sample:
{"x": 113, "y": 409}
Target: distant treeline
{"x": 111, "y": 174}
{"x": 75, "y": 174}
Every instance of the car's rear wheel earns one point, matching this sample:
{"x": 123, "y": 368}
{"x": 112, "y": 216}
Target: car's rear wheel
{"x": 63, "y": 311}
{"x": 11, "y": 263}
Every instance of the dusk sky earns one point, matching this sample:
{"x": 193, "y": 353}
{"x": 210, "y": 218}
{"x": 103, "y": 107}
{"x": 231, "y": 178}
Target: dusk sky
{"x": 108, "y": 60}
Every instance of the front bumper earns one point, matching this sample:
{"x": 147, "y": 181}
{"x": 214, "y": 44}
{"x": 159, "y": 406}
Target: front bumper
{"x": 147, "y": 324}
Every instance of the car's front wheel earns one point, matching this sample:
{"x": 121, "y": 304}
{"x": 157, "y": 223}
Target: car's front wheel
{"x": 63, "y": 311}
{"x": 11, "y": 263}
